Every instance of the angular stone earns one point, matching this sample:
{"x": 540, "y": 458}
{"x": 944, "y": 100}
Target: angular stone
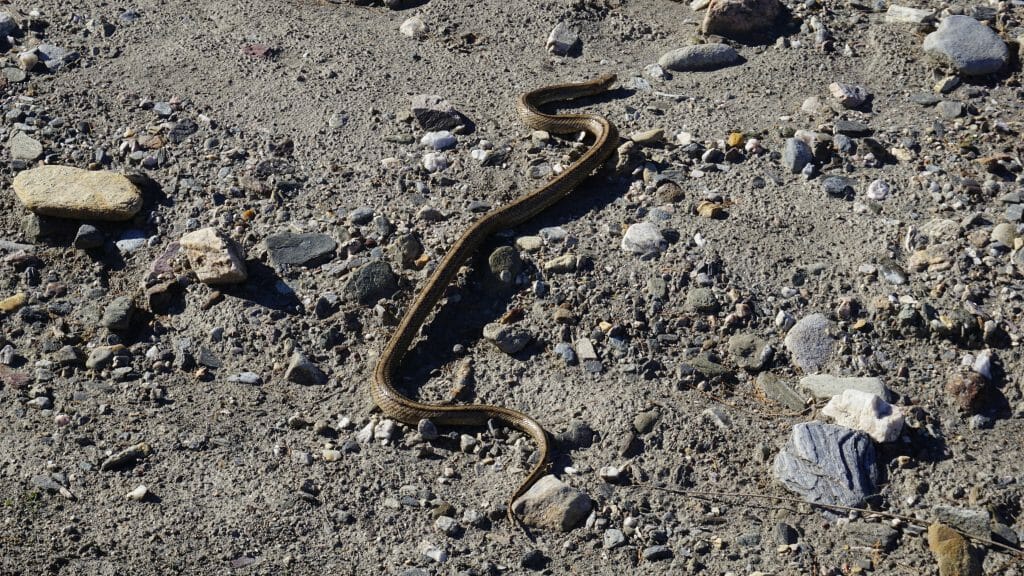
{"x": 810, "y": 343}
{"x": 24, "y": 147}
{"x": 748, "y": 351}
{"x": 701, "y": 301}
{"x": 866, "y": 412}
{"x": 795, "y": 155}
{"x": 215, "y": 258}
{"x": 302, "y": 370}
{"x": 643, "y": 238}
{"x": 371, "y": 282}
{"x": 553, "y": 505}
{"x": 825, "y": 386}
{"x": 699, "y": 57}
{"x": 508, "y": 339}
{"x": 562, "y": 40}
{"x": 828, "y": 464}
{"x": 434, "y": 113}
{"x": 309, "y": 249}
{"x": 68, "y": 192}
{"x": 953, "y": 552}
{"x": 740, "y": 18}
{"x": 88, "y": 237}
{"x": 117, "y": 316}
{"x": 774, "y": 389}
{"x": 976, "y": 522}
{"x": 971, "y": 47}
{"x": 849, "y": 95}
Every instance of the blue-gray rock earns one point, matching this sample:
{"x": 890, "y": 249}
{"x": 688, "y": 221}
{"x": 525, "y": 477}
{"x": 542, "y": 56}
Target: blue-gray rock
{"x": 8, "y": 26}
{"x": 371, "y": 282}
{"x": 795, "y": 155}
{"x": 699, "y": 57}
{"x": 809, "y": 342}
{"x": 54, "y": 57}
{"x": 837, "y": 186}
{"x": 828, "y": 464}
{"x": 657, "y": 552}
{"x": 970, "y": 46}
{"x": 508, "y": 339}
{"x": 88, "y": 237}
{"x": 309, "y": 249}
{"x": 118, "y": 314}
{"x": 566, "y": 353}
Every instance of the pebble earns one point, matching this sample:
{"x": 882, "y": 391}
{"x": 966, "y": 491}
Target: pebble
{"x": 13, "y": 303}
{"x": 878, "y": 190}
{"x": 126, "y": 458}
{"x": 215, "y": 258}
{"x": 307, "y": 249}
{"x": 657, "y": 552}
{"x": 508, "y": 339}
{"x": 434, "y": 162}
{"x": 414, "y": 27}
{"x": 117, "y": 316}
{"x": 68, "y": 192}
{"x": 850, "y": 128}
{"x": 749, "y": 351}
{"x": 88, "y": 237}
{"x": 534, "y": 559}
{"x": 427, "y": 430}
{"x": 837, "y": 187}
{"x": 55, "y": 57}
{"x": 825, "y": 386}
{"x": 952, "y": 552}
{"x": 385, "y": 430}
{"x": 643, "y": 238}
{"x": 564, "y": 351}
{"x": 530, "y": 243}
{"x": 24, "y": 147}
{"x": 702, "y": 301}
{"x": 561, "y": 265}
{"x": 949, "y": 109}
{"x": 130, "y": 241}
{"x": 447, "y": 525}
{"x": 434, "y": 113}
{"x": 974, "y": 521}
{"x": 553, "y": 234}
{"x": 699, "y": 57}
{"x": 971, "y": 47}
{"x": 740, "y": 18}
{"x": 849, "y": 95}
{"x": 562, "y": 40}
{"x": 440, "y": 140}
{"x": 14, "y": 75}
{"x": 866, "y": 412}
{"x": 777, "y": 391}
{"x": 301, "y": 370}
{"x": 551, "y": 504}
{"x": 810, "y": 343}
{"x": 828, "y": 464}
{"x": 371, "y": 282}
{"x": 138, "y": 494}
{"x": 796, "y": 155}
{"x": 613, "y": 538}
{"x": 906, "y": 15}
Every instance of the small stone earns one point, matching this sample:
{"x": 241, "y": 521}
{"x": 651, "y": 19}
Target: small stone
{"x": 971, "y": 47}
{"x": 371, "y": 282}
{"x": 67, "y": 192}
{"x": 440, "y": 140}
{"x": 126, "y": 458}
{"x": 13, "y": 303}
{"x": 878, "y": 190}
{"x": 825, "y": 386}
{"x": 837, "y": 187}
{"x": 777, "y": 391}
{"x": 828, "y": 464}
{"x": 699, "y": 57}
{"x": 905, "y": 15}
{"x": 610, "y": 474}
{"x": 215, "y": 258}
{"x": 530, "y": 243}
{"x": 950, "y": 109}
{"x": 866, "y": 412}
{"x": 434, "y": 162}
{"x": 508, "y": 339}
{"x": 24, "y": 147}
{"x": 953, "y": 552}
{"x": 301, "y": 370}
{"x": 644, "y": 421}
{"x": 796, "y": 154}
{"x": 643, "y": 238}
{"x": 427, "y": 430}
{"x": 434, "y": 113}
{"x": 849, "y": 95}
{"x": 117, "y": 316}
{"x": 562, "y": 40}
{"x": 308, "y": 249}
{"x": 613, "y": 538}
{"x": 8, "y": 25}
{"x": 657, "y": 552}
{"x": 552, "y": 504}
{"x": 138, "y": 494}
{"x": 561, "y": 265}
{"x": 739, "y": 19}
{"x": 851, "y": 128}
{"x": 748, "y": 351}
{"x": 976, "y": 522}
{"x": 414, "y": 27}
{"x": 701, "y": 301}
{"x": 1004, "y": 233}
{"x": 534, "y": 559}
{"x": 810, "y": 343}
{"x": 447, "y": 525}
{"x": 88, "y": 237}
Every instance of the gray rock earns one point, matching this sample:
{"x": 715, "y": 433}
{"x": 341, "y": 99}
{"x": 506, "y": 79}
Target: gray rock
{"x": 949, "y": 109}
{"x": 837, "y": 186}
{"x": 504, "y": 264}
{"x": 302, "y": 370}
{"x": 976, "y": 522}
{"x": 748, "y": 351}
{"x": 851, "y": 128}
{"x": 508, "y": 339}
{"x": 970, "y": 46}
{"x": 55, "y": 57}
{"x": 553, "y": 505}
{"x": 878, "y": 536}
{"x": 371, "y": 282}
{"x": 562, "y": 40}
{"x": 779, "y": 392}
{"x": 796, "y": 154}
{"x": 24, "y": 147}
{"x": 406, "y": 249}
{"x": 434, "y": 113}
{"x": 828, "y": 464}
{"x": 117, "y": 316}
{"x": 215, "y": 258}
{"x": 579, "y": 435}
{"x": 564, "y": 351}
{"x": 14, "y": 75}
{"x": 643, "y": 238}
{"x": 644, "y": 422}
{"x": 657, "y": 552}
{"x": 427, "y": 430}
{"x": 8, "y": 25}
{"x": 809, "y": 342}
{"x": 701, "y": 301}
{"x": 825, "y": 386}
{"x": 613, "y": 538}
{"x": 307, "y": 249}
{"x": 699, "y": 57}
{"x": 849, "y": 95}
{"x": 785, "y": 534}
{"x": 740, "y": 18}
{"x": 88, "y": 237}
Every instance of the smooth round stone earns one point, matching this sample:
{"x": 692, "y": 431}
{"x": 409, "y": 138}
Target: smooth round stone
{"x": 24, "y": 147}
{"x": 530, "y": 243}
{"x": 878, "y": 190}
{"x": 14, "y": 75}
{"x": 1004, "y": 233}
{"x": 414, "y": 27}
{"x": 643, "y": 238}
{"x": 699, "y": 57}
{"x": 68, "y": 192}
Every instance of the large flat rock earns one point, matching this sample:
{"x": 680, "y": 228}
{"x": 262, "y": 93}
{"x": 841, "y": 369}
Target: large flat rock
{"x": 69, "y": 192}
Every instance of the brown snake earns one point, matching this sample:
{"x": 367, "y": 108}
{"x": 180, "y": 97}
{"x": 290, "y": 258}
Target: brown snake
{"x": 385, "y": 394}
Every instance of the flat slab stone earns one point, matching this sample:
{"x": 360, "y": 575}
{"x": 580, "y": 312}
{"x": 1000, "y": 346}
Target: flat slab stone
{"x": 971, "y": 47}
{"x": 809, "y": 342}
{"x": 308, "y": 249}
{"x": 825, "y": 386}
{"x": 699, "y": 57}
{"x": 828, "y": 464}
{"x": 69, "y": 192}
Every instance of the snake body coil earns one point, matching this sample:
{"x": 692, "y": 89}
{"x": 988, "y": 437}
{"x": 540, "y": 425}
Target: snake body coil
{"x": 385, "y": 394}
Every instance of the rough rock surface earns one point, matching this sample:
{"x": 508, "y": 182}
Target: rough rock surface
{"x": 215, "y": 258}
{"x": 553, "y": 505}
{"x": 68, "y": 192}
{"x": 971, "y": 47}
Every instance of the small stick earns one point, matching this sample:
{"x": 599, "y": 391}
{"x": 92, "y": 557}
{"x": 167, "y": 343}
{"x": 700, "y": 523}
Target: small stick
{"x": 705, "y": 495}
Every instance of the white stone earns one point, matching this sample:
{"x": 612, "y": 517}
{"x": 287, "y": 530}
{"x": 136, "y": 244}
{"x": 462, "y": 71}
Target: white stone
{"x": 365, "y": 435}
{"x": 414, "y": 27}
{"x": 562, "y": 39}
{"x": 434, "y": 162}
{"x": 878, "y": 190}
{"x": 440, "y": 140}
{"x": 849, "y": 95}
{"x": 643, "y": 238}
{"x": 138, "y": 494}
{"x": 905, "y": 15}
{"x": 215, "y": 258}
{"x": 384, "y": 430}
{"x": 866, "y": 412}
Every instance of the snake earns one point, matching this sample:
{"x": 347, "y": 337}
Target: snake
{"x": 396, "y": 406}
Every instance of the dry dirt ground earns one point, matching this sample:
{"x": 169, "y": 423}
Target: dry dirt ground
{"x": 301, "y": 110}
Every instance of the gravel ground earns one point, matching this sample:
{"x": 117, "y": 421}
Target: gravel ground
{"x": 154, "y": 423}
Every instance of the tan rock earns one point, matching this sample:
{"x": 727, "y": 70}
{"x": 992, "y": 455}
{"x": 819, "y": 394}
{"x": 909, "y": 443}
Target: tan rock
{"x": 952, "y": 552}
{"x": 69, "y": 192}
{"x": 215, "y": 258}
{"x": 739, "y": 18}
{"x": 12, "y": 303}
